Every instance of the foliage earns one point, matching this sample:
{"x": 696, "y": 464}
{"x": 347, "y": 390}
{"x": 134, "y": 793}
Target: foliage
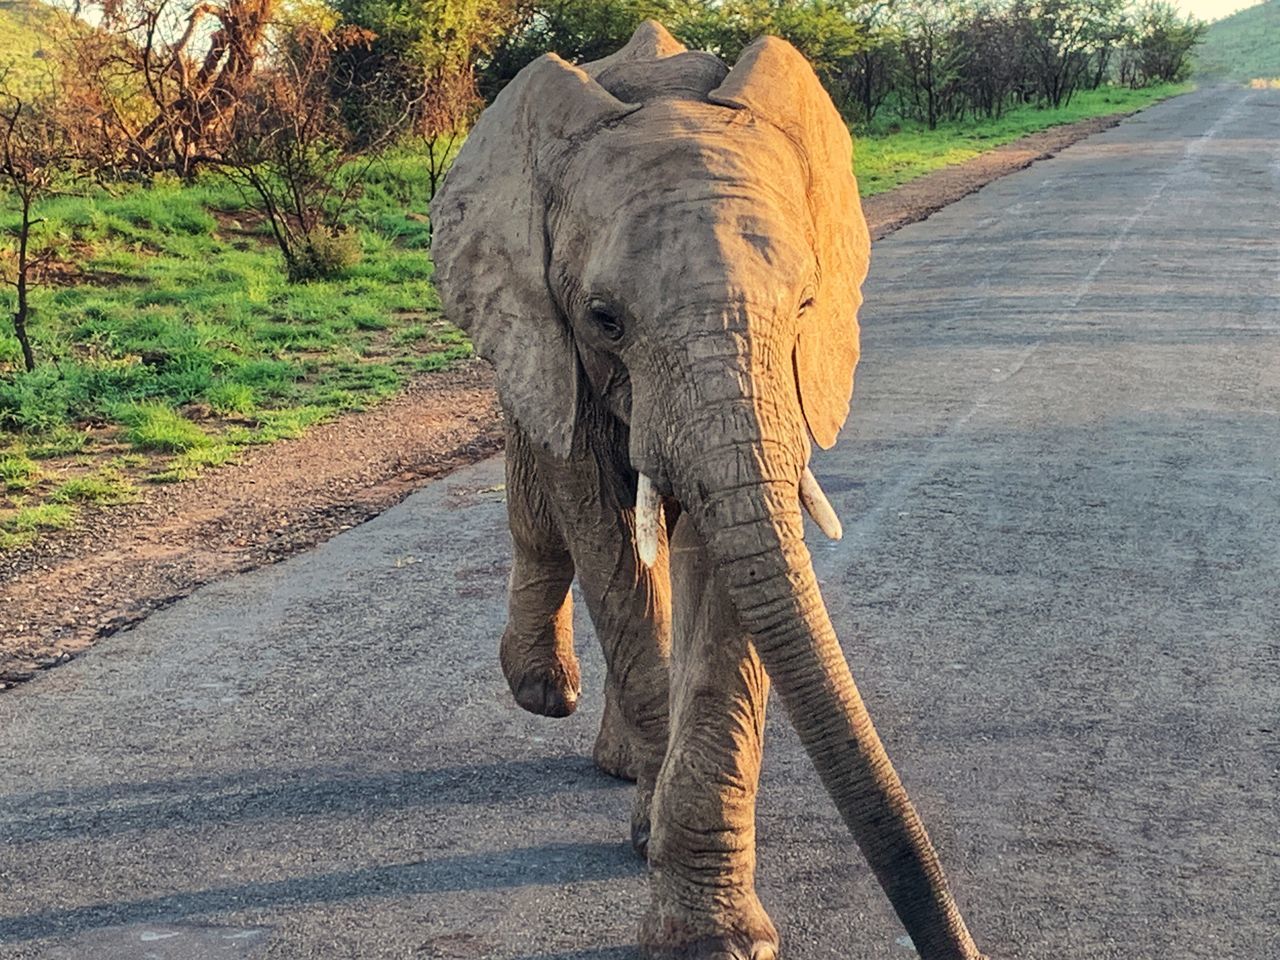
{"x": 1244, "y": 46}
{"x": 890, "y": 153}
{"x": 578, "y": 31}
{"x": 291, "y": 152}
{"x": 430, "y": 49}
{"x": 828, "y": 32}
{"x": 1162, "y": 44}
{"x": 162, "y": 79}
{"x": 929, "y": 56}
{"x": 416, "y": 74}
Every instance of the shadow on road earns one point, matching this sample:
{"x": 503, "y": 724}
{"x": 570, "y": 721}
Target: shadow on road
{"x": 256, "y": 795}
{"x": 599, "y": 953}
{"x": 549, "y": 865}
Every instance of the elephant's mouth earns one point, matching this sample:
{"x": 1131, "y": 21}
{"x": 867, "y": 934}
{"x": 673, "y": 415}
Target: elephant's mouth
{"x": 649, "y": 519}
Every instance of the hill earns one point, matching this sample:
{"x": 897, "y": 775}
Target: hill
{"x": 1244, "y": 46}
{"x": 26, "y": 28}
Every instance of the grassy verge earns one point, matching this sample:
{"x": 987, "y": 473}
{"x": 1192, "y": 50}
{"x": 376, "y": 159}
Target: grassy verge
{"x": 886, "y": 155}
{"x": 168, "y": 340}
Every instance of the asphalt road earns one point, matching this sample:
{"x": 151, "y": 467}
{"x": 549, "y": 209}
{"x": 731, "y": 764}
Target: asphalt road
{"x": 1059, "y": 586}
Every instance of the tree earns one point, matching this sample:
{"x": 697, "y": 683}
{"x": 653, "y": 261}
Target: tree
{"x": 37, "y": 159}
{"x": 1162, "y": 43}
{"x": 990, "y": 66}
{"x": 578, "y": 30}
{"x": 1062, "y": 37}
{"x": 927, "y": 64}
{"x": 827, "y": 32}
{"x": 432, "y": 45}
{"x": 288, "y": 147}
{"x": 868, "y": 73}
{"x": 164, "y": 77}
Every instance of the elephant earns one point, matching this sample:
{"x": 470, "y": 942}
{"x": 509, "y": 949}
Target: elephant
{"x": 662, "y": 259}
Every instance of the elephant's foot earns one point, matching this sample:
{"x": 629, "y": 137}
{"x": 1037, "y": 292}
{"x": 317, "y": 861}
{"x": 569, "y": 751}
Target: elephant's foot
{"x": 619, "y": 751}
{"x": 736, "y": 928}
{"x": 544, "y": 681}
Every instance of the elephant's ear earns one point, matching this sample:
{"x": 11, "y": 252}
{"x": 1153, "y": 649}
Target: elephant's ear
{"x": 776, "y": 83}
{"x": 489, "y": 243}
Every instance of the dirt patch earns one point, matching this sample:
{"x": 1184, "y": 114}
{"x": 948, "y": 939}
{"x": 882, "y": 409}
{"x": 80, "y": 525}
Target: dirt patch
{"x": 70, "y": 589}
{"x": 244, "y": 224}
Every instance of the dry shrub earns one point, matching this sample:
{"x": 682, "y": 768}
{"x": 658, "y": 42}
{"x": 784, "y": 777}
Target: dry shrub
{"x": 160, "y": 81}
{"x": 291, "y": 150}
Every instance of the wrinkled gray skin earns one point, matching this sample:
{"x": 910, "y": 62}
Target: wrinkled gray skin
{"x": 662, "y": 258}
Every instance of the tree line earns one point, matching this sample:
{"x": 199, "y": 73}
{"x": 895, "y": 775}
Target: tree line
{"x": 926, "y": 60}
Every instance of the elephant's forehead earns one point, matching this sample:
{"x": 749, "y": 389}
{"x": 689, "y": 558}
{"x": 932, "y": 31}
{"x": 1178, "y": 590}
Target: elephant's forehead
{"x": 673, "y": 147}
{"x": 687, "y": 203}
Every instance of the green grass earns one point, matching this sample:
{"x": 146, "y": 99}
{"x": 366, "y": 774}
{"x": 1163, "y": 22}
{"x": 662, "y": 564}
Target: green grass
{"x": 105, "y": 486}
{"x": 193, "y": 461}
{"x": 59, "y": 442}
{"x": 171, "y": 338}
{"x": 1242, "y": 47}
{"x": 150, "y": 426}
{"x": 21, "y": 525}
{"x": 17, "y": 472}
{"x": 182, "y": 301}
{"x": 887, "y": 155}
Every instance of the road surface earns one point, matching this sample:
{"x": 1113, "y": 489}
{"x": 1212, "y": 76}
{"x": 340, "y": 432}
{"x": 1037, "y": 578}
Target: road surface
{"x": 1059, "y": 587}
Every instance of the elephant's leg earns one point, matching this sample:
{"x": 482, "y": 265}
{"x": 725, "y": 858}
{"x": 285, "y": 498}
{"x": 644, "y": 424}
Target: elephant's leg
{"x": 703, "y": 846}
{"x": 630, "y": 608}
{"x": 537, "y": 646}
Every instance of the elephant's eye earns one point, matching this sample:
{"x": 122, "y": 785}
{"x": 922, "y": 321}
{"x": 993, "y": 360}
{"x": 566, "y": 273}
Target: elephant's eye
{"x": 606, "y": 321}
{"x": 807, "y": 305}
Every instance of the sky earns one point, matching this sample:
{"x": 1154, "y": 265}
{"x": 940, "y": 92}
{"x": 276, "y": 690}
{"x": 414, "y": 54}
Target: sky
{"x": 1213, "y": 9}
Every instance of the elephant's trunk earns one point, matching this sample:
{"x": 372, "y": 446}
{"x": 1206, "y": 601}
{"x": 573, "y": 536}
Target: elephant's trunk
{"x": 743, "y": 497}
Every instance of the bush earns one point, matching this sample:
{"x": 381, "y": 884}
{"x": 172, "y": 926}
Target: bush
{"x": 324, "y": 254}
{"x": 38, "y": 401}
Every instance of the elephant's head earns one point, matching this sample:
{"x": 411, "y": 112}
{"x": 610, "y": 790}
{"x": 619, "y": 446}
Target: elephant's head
{"x": 683, "y": 244}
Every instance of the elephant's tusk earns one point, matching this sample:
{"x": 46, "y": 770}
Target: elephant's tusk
{"x": 817, "y": 505}
{"x": 648, "y": 520}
